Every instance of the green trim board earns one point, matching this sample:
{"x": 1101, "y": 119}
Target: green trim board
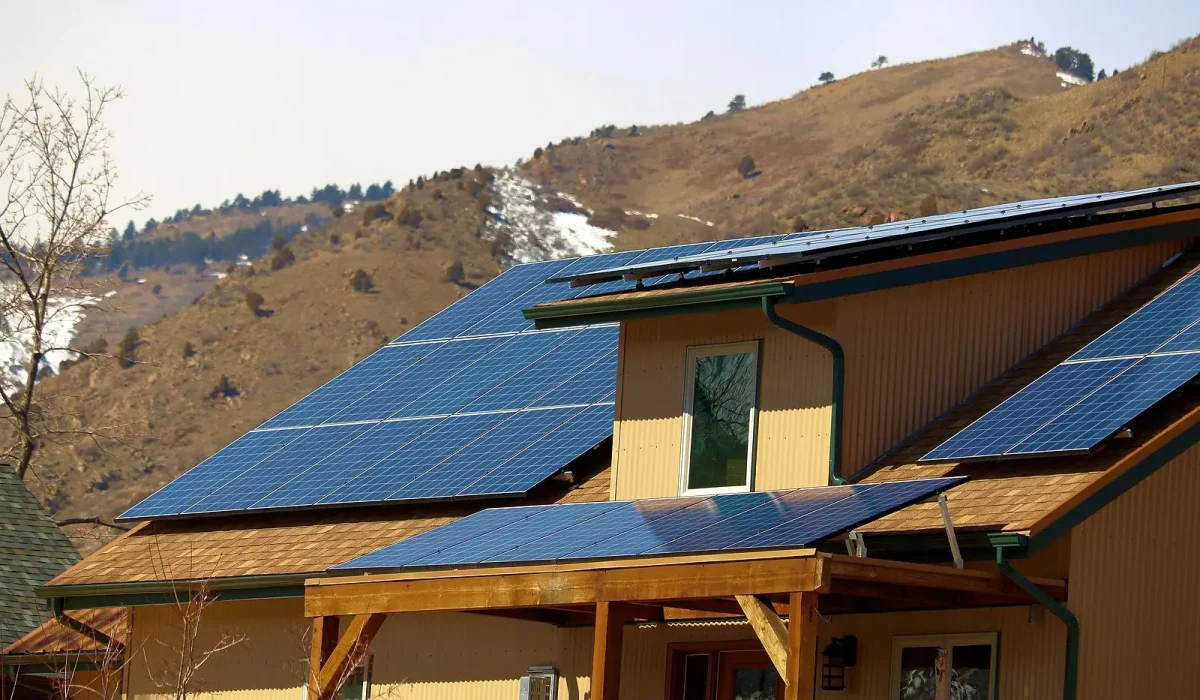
{"x": 53, "y": 662}
{"x": 133, "y": 594}
{"x": 625, "y": 308}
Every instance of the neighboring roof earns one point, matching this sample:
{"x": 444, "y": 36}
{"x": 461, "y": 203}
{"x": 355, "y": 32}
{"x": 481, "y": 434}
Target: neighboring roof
{"x": 279, "y": 544}
{"x": 1014, "y": 494}
{"x": 33, "y": 550}
{"x": 55, "y": 637}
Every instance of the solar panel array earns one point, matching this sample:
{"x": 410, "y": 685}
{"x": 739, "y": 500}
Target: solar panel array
{"x": 812, "y": 245}
{"x": 613, "y": 529}
{"x": 1098, "y": 390}
{"x": 472, "y": 402}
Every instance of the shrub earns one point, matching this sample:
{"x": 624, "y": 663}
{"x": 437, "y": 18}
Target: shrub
{"x": 127, "y": 349}
{"x": 928, "y": 206}
{"x": 710, "y": 115}
{"x": 188, "y": 350}
{"x": 799, "y": 225}
{"x": 223, "y": 389}
{"x": 826, "y": 78}
{"x": 537, "y": 152}
{"x": 156, "y": 290}
{"x": 478, "y": 167}
{"x": 254, "y": 302}
{"x": 360, "y": 281}
{"x": 277, "y": 241}
{"x": 337, "y": 211}
{"x": 282, "y": 258}
{"x": 334, "y": 239}
{"x": 455, "y": 273}
{"x": 409, "y": 216}
{"x": 746, "y": 166}
{"x": 633, "y": 131}
{"x": 374, "y": 212}
{"x": 738, "y": 103}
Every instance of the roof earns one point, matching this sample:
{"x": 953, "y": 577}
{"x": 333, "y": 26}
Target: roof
{"x": 1014, "y": 494}
{"x": 54, "y": 637}
{"x": 33, "y": 550}
{"x": 277, "y": 544}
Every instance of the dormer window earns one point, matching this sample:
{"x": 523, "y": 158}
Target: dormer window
{"x": 720, "y": 406}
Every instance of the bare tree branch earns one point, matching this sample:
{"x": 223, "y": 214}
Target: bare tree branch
{"x": 92, "y": 521}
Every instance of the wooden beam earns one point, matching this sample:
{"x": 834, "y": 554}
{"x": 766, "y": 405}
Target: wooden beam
{"x": 800, "y": 680}
{"x": 769, "y": 629}
{"x": 606, "y": 650}
{"x": 723, "y": 608}
{"x": 718, "y": 579}
{"x": 348, "y": 652}
{"x": 944, "y": 578}
{"x": 324, "y": 641}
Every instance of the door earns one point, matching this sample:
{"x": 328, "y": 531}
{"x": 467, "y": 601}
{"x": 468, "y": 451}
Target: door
{"x": 747, "y": 675}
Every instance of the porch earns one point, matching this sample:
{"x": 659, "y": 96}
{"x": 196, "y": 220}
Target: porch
{"x": 781, "y": 594}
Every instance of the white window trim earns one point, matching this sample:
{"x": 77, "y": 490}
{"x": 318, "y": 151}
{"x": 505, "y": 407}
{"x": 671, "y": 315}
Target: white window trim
{"x": 947, "y": 641}
{"x": 685, "y": 447}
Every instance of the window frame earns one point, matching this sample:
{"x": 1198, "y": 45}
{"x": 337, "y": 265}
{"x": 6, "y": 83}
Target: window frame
{"x": 949, "y": 641}
{"x": 694, "y": 352}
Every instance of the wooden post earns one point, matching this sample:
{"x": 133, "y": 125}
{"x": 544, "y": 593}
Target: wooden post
{"x": 606, "y": 650}
{"x": 324, "y": 640}
{"x": 801, "y": 677}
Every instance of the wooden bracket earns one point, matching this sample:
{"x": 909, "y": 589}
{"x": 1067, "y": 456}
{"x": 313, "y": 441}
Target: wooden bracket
{"x": 769, "y": 628}
{"x": 336, "y": 665}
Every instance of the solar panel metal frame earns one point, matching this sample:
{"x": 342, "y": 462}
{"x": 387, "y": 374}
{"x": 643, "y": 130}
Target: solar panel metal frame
{"x": 959, "y": 223}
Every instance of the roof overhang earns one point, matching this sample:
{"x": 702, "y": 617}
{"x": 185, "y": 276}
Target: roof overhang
{"x": 682, "y": 582}
{"x": 139, "y": 593}
{"x": 1156, "y": 225}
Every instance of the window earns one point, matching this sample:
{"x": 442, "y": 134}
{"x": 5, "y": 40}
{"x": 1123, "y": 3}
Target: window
{"x": 718, "y": 419}
{"x": 919, "y": 667}
{"x": 357, "y": 685}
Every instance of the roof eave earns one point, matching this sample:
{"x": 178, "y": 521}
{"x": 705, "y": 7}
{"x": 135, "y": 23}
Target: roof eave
{"x": 140, "y": 593}
{"x": 622, "y": 308}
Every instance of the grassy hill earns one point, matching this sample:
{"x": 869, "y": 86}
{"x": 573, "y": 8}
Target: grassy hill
{"x": 973, "y": 130}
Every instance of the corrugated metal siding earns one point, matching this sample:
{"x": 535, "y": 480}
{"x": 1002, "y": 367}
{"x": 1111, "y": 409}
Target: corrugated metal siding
{"x": 269, "y": 665}
{"x": 911, "y": 354}
{"x": 1029, "y": 660}
{"x": 1135, "y": 587}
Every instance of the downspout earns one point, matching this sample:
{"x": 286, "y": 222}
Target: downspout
{"x": 1071, "y": 666}
{"x": 839, "y": 384}
{"x": 56, "y": 607}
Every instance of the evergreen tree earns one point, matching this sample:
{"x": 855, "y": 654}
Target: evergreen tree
{"x": 826, "y": 78}
{"x": 1075, "y": 62}
{"x": 387, "y": 190}
{"x": 738, "y": 103}
{"x": 355, "y": 192}
{"x": 1101, "y": 75}
{"x": 130, "y": 230}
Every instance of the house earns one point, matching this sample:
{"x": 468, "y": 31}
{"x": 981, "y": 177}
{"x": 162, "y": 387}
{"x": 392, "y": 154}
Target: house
{"x": 942, "y": 458}
{"x": 32, "y": 551}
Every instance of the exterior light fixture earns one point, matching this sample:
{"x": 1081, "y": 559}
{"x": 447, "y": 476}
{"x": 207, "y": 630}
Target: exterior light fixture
{"x": 838, "y": 655}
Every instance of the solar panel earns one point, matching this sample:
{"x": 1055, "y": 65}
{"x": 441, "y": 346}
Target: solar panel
{"x": 1109, "y": 382}
{"x": 818, "y": 244}
{"x": 443, "y": 415}
{"x": 616, "y": 529}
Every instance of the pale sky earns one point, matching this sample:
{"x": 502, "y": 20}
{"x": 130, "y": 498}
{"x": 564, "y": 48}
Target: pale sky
{"x": 227, "y": 97}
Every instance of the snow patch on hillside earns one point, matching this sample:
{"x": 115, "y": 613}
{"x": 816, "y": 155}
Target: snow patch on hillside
{"x": 16, "y": 339}
{"x": 696, "y": 219}
{"x": 1069, "y": 80}
{"x": 524, "y": 218}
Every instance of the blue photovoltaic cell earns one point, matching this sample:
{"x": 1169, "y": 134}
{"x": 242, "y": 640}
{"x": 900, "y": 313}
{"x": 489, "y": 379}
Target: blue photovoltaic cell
{"x": 486, "y": 452}
{"x": 349, "y": 386}
{"x": 544, "y": 456}
{"x": 1150, "y": 326}
{"x": 493, "y": 368}
{"x": 1008, "y": 424}
{"x": 482, "y": 302}
{"x": 354, "y": 458}
{"x": 434, "y": 370}
{"x": 449, "y": 535}
{"x": 386, "y": 479}
{"x": 1187, "y": 341}
{"x": 278, "y": 468}
{"x": 498, "y": 541}
{"x": 593, "y": 380}
{"x": 1113, "y": 404}
{"x": 212, "y": 473}
{"x": 550, "y": 371}
{"x": 689, "y": 525}
{"x": 509, "y": 319}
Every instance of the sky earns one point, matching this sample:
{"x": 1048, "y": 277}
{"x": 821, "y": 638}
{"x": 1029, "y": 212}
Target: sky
{"x": 238, "y": 97}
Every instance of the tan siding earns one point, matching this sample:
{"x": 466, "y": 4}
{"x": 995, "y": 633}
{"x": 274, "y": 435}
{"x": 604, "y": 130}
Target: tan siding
{"x": 1135, "y": 578}
{"x": 911, "y": 354}
{"x": 269, "y": 665}
{"x": 1030, "y": 658}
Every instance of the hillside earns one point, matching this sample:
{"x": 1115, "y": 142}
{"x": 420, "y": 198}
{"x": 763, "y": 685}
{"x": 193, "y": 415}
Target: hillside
{"x": 967, "y": 131}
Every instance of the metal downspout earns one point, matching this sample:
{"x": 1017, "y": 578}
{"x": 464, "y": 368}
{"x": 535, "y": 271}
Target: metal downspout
{"x": 839, "y": 383}
{"x": 1071, "y": 666}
